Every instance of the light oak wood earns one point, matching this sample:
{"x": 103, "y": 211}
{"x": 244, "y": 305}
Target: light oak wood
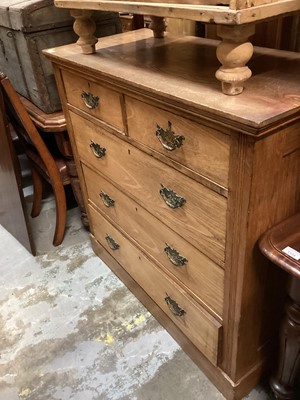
{"x": 196, "y": 323}
{"x": 84, "y": 26}
{"x": 202, "y": 219}
{"x": 261, "y": 128}
{"x": 233, "y": 53}
{"x": 180, "y": 26}
{"x": 180, "y": 79}
{"x": 200, "y": 276}
{"x": 204, "y": 150}
{"x": 261, "y": 201}
{"x": 108, "y": 106}
{"x": 201, "y": 11}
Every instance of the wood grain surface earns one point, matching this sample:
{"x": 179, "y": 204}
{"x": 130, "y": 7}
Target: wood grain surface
{"x": 181, "y": 70}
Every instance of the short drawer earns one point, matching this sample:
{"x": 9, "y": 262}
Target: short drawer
{"x": 196, "y": 213}
{"x": 202, "y": 149}
{"x": 197, "y": 324}
{"x": 98, "y": 101}
{"x": 195, "y": 270}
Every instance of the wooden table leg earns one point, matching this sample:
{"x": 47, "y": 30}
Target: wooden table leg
{"x": 84, "y": 26}
{"x": 158, "y": 26}
{"x": 233, "y": 53}
{"x": 289, "y": 357}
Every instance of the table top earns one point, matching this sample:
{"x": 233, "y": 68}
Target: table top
{"x": 230, "y": 12}
{"x": 281, "y": 244}
{"x": 181, "y": 70}
{"x": 54, "y": 122}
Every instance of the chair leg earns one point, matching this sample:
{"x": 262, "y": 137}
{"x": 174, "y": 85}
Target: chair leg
{"x": 61, "y": 214}
{"x": 37, "y": 193}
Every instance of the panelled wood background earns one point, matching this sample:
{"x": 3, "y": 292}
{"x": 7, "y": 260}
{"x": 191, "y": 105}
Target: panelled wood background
{"x": 281, "y": 33}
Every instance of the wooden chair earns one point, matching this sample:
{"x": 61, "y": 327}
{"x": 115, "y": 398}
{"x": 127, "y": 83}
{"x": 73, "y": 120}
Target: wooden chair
{"x": 281, "y": 245}
{"x": 44, "y": 165}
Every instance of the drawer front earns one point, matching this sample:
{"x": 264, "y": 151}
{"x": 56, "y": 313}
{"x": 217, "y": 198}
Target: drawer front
{"x": 201, "y": 219}
{"x": 196, "y": 271}
{"x": 98, "y": 101}
{"x": 197, "y": 147}
{"x": 196, "y": 323}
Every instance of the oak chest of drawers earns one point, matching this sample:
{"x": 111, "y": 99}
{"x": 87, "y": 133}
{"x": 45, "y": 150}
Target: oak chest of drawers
{"x": 180, "y": 181}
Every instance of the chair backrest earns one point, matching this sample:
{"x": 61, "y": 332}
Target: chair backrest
{"x": 19, "y": 118}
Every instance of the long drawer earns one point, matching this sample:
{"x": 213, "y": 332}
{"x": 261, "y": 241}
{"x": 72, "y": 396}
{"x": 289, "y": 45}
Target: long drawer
{"x": 198, "y": 325}
{"x": 96, "y": 100}
{"x": 202, "y": 149}
{"x": 196, "y": 271}
{"x": 199, "y": 214}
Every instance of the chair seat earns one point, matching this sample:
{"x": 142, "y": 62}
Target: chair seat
{"x": 60, "y": 163}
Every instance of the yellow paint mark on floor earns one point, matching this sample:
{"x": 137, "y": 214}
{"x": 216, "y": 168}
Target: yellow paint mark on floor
{"x": 25, "y": 392}
{"x": 107, "y": 339}
{"x": 139, "y": 319}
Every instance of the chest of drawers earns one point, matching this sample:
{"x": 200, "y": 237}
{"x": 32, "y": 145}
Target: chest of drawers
{"x": 180, "y": 181}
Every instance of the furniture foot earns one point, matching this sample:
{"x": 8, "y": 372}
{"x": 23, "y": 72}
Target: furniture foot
{"x": 289, "y": 356}
{"x": 84, "y": 26}
{"x": 233, "y": 53}
{"x": 158, "y": 26}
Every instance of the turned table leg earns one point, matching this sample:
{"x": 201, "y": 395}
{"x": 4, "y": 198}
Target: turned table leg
{"x": 84, "y": 26}
{"x": 289, "y": 356}
{"x": 233, "y": 53}
{"x": 158, "y": 25}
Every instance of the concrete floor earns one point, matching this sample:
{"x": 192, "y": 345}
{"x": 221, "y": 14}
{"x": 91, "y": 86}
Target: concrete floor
{"x": 70, "y": 330}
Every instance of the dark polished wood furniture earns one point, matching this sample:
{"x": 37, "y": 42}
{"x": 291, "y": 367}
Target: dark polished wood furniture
{"x": 13, "y": 213}
{"x": 44, "y": 163}
{"x": 281, "y": 245}
{"x": 55, "y": 124}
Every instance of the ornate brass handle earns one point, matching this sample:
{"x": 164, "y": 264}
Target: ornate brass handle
{"x": 167, "y": 137}
{"x": 112, "y": 244}
{"x": 174, "y": 256}
{"x": 107, "y": 200}
{"x": 97, "y": 150}
{"x": 171, "y": 198}
{"x": 174, "y": 307}
{"x": 90, "y": 100}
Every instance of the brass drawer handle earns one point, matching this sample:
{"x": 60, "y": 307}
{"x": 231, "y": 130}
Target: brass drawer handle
{"x": 90, "y": 100}
{"x": 167, "y": 137}
{"x": 171, "y": 198}
{"x": 174, "y": 307}
{"x": 97, "y": 150}
{"x": 174, "y": 256}
{"x": 111, "y": 242}
{"x": 107, "y": 200}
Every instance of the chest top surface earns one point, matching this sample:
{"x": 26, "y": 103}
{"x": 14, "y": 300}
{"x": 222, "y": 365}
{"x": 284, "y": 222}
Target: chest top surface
{"x": 181, "y": 70}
